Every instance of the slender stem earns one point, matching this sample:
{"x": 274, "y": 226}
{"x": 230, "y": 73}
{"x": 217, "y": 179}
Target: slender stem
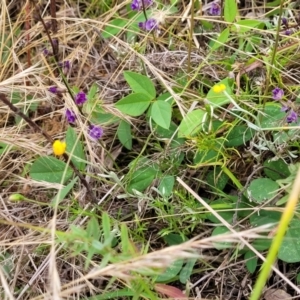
{"x": 274, "y": 51}
{"x": 191, "y": 38}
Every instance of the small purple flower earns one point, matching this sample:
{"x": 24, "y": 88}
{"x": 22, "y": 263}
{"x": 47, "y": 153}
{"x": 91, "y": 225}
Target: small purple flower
{"x": 288, "y": 32}
{"x": 67, "y": 64}
{"x": 215, "y": 9}
{"x": 284, "y": 21}
{"x": 138, "y": 5}
{"x": 95, "y": 132}
{"x": 80, "y": 98}
{"x": 55, "y": 42}
{"x": 148, "y": 25}
{"x": 284, "y": 108}
{"x": 277, "y": 93}
{"x": 292, "y": 117}
{"x": 53, "y": 89}
{"x": 70, "y": 115}
{"x": 46, "y": 52}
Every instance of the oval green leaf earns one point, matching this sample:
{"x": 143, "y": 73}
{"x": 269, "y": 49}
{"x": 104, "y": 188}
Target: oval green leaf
{"x": 262, "y": 189}
{"x": 78, "y": 155}
{"x": 134, "y": 104}
{"x": 171, "y": 271}
{"x": 221, "y": 40}
{"x": 114, "y": 28}
{"x": 50, "y": 169}
{"x": 142, "y": 178}
{"x": 230, "y": 10}
{"x": 161, "y": 112}
{"x": 192, "y": 123}
{"x": 140, "y": 84}
{"x": 251, "y": 262}
{"x": 124, "y": 134}
{"x": 219, "y": 231}
{"x": 238, "y": 136}
{"x": 290, "y": 248}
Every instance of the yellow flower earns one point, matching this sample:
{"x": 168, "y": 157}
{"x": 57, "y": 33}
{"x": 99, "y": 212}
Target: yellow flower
{"x": 59, "y": 147}
{"x": 219, "y": 88}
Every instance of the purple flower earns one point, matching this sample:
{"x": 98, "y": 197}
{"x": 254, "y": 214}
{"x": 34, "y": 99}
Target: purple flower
{"x": 288, "y": 32}
{"x": 292, "y": 117}
{"x": 46, "y": 52}
{"x": 95, "y": 132}
{"x": 148, "y": 25}
{"x": 65, "y": 64}
{"x": 284, "y": 21}
{"x": 138, "y": 5}
{"x": 285, "y": 108}
{"x": 70, "y": 115}
{"x": 53, "y": 89}
{"x": 277, "y": 93}
{"x": 55, "y": 42}
{"x": 80, "y": 98}
{"x": 215, "y": 9}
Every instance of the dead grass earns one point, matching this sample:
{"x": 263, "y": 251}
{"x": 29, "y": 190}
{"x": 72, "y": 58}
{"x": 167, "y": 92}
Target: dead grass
{"x": 33, "y": 264}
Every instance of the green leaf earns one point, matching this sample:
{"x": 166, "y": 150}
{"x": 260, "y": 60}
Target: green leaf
{"x": 238, "y": 135}
{"x": 243, "y": 26}
{"x": 64, "y": 192}
{"x": 206, "y": 156}
{"x": 298, "y": 278}
{"x": 92, "y": 92}
{"x": 3, "y": 147}
{"x": 218, "y": 231}
{"x": 187, "y": 270}
{"x": 281, "y": 169}
{"x": 174, "y": 239}
{"x": 251, "y": 262}
{"x": 192, "y": 123}
{"x": 262, "y": 244}
{"x": 171, "y": 271}
{"x": 161, "y": 112}
{"x": 78, "y": 156}
{"x": 166, "y": 185}
{"x": 142, "y": 178}
{"x": 140, "y": 84}
{"x": 134, "y": 104}
{"x": 290, "y": 248}
{"x": 126, "y": 292}
{"x": 272, "y": 115}
{"x": 264, "y": 217}
{"x": 93, "y": 229}
{"x": 125, "y": 243}
{"x": 221, "y": 40}
{"x": 101, "y": 117}
{"x": 114, "y": 28}
{"x": 124, "y": 134}
{"x": 106, "y": 226}
{"x": 262, "y": 189}
{"x": 217, "y": 179}
{"x": 50, "y": 169}
{"x": 221, "y": 204}
{"x": 230, "y": 10}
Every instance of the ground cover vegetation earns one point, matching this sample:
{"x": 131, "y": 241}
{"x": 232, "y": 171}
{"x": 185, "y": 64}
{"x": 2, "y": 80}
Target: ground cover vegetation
{"x": 149, "y": 149}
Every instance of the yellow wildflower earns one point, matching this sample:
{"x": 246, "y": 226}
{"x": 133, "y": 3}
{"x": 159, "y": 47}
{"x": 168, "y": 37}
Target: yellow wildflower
{"x": 59, "y": 147}
{"x": 219, "y": 88}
